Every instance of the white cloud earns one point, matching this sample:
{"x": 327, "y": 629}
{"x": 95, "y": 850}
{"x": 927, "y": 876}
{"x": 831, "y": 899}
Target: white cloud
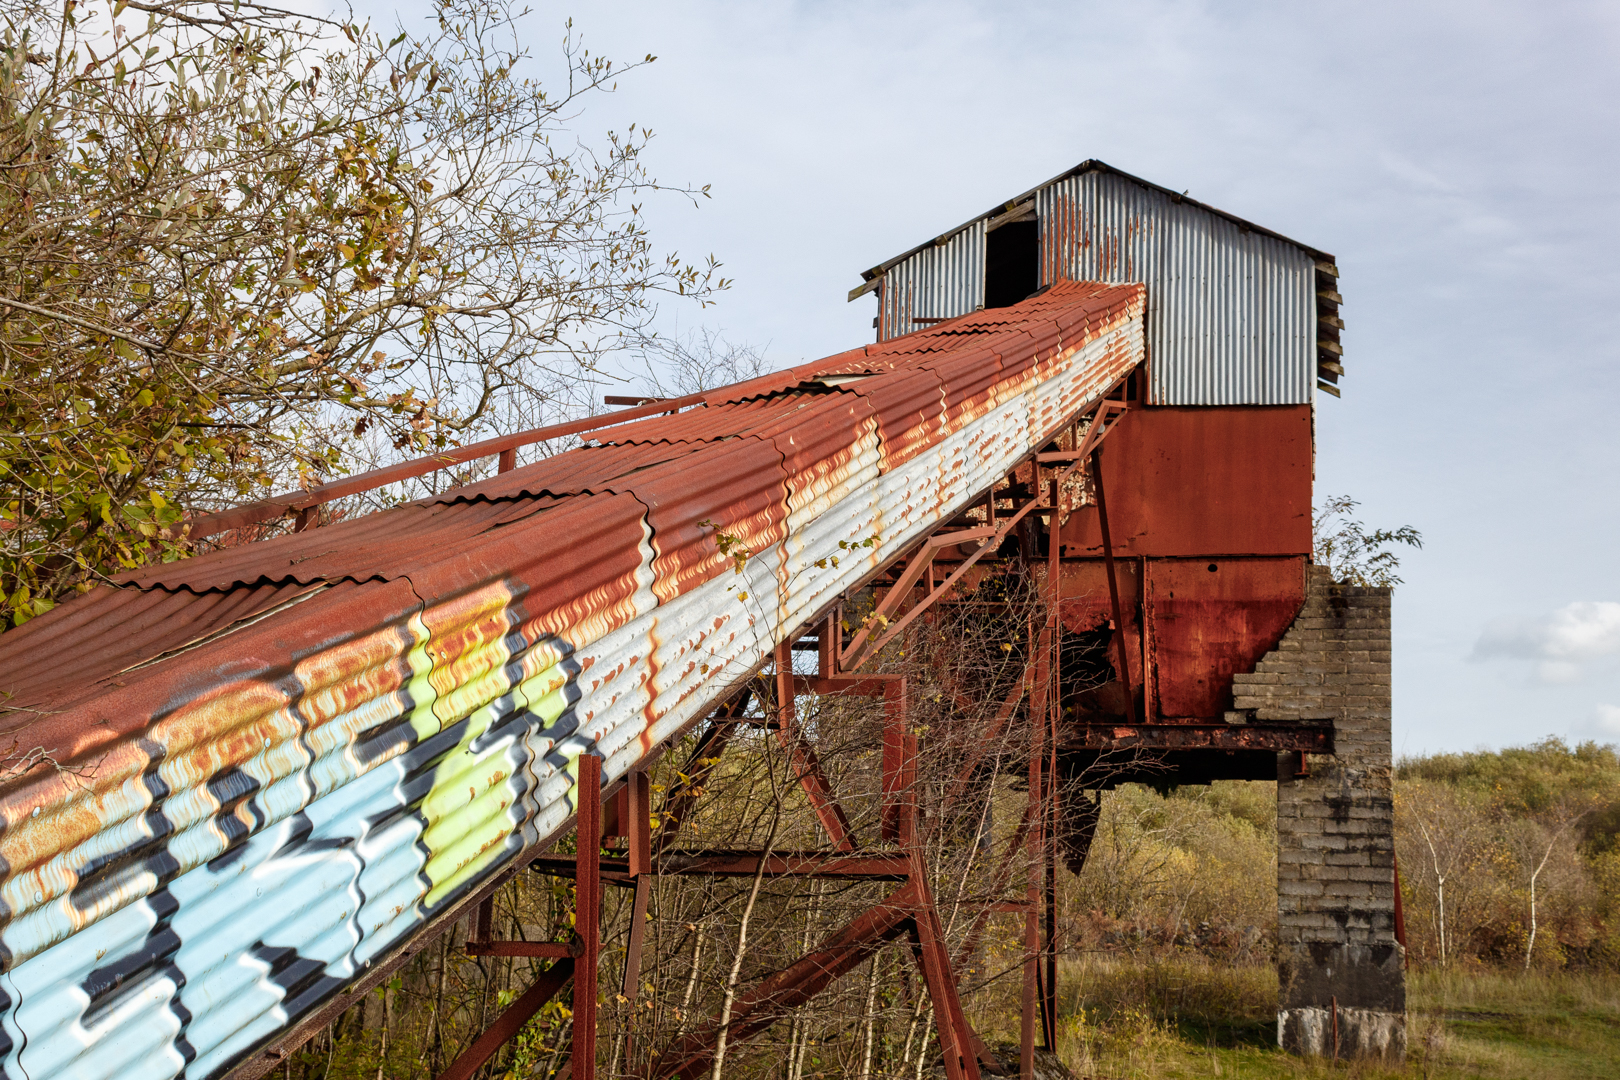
{"x": 1562, "y": 645}
{"x": 1608, "y": 721}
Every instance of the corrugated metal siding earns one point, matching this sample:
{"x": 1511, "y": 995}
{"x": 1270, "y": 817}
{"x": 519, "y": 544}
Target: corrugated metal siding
{"x": 271, "y": 811}
{"x": 1231, "y": 312}
{"x": 939, "y": 282}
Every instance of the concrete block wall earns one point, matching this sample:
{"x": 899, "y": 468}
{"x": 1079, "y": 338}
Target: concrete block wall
{"x": 1342, "y": 974}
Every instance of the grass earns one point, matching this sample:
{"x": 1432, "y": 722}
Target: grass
{"x": 1189, "y": 1018}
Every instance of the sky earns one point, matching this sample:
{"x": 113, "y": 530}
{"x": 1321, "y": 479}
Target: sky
{"x": 1459, "y": 159}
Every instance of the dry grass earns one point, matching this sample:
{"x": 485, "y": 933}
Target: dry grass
{"x": 1174, "y": 1018}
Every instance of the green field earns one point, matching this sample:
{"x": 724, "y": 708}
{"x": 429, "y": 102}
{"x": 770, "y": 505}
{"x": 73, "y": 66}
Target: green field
{"x": 1171, "y": 1019}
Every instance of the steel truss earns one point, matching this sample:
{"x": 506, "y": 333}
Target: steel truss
{"x": 908, "y": 912}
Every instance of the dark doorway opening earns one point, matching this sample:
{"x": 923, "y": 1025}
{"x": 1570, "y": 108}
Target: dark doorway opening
{"x": 1012, "y": 263}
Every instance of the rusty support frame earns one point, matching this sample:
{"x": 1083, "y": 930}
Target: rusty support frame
{"x": 956, "y": 1037}
{"x": 1031, "y": 998}
{"x": 1051, "y": 794}
{"x": 838, "y": 865}
{"x": 1104, "y": 420}
{"x": 899, "y": 810}
{"x": 909, "y": 910}
{"x": 1113, "y": 586}
{"x": 587, "y": 915}
{"x": 806, "y": 766}
{"x": 510, "y": 1022}
{"x": 853, "y": 656}
{"x": 1283, "y": 736}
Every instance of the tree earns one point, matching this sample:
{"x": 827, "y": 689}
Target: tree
{"x": 240, "y": 248}
{"x": 1454, "y": 835}
{"x": 695, "y": 362}
{"x": 1354, "y": 555}
{"x": 1534, "y": 840}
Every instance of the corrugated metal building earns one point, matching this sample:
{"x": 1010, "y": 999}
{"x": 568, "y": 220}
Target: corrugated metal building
{"x": 1237, "y": 314}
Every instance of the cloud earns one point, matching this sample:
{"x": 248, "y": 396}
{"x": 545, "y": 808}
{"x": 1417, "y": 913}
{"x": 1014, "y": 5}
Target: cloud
{"x": 1562, "y": 645}
{"x": 1608, "y": 720}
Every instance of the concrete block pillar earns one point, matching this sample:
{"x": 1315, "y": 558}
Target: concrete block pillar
{"x": 1342, "y": 974}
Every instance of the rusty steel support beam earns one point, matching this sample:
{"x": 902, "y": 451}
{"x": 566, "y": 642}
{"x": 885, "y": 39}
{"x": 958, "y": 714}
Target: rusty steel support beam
{"x": 1054, "y": 711}
{"x": 990, "y": 541}
{"x": 910, "y": 909}
{"x": 510, "y": 1022}
{"x": 1314, "y": 737}
{"x": 833, "y": 865}
{"x": 806, "y": 766}
{"x": 822, "y": 864}
{"x": 636, "y": 822}
{"x": 780, "y": 993}
{"x": 705, "y": 755}
{"x": 630, "y": 986}
{"x": 638, "y": 831}
{"x": 1104, "y": 420}
{"x": 1113, "y": 585}
{"x": 1030, "y": 999}
{"x": 587, "y": 915}
{"x": 899, "y": 768}
{"x": 921, "y": 561}
{"x": 957, "y": 1040}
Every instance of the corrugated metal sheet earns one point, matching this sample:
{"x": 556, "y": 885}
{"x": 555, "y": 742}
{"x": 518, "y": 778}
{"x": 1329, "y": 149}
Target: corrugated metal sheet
{"x": 1231, "y": 314}
{"x": 122, "y": 628}
{"x": 1232, "y": 309}
{"x": 942, "y": 281}
{"x": 242, "y": 826}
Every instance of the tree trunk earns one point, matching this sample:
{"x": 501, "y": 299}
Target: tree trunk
{"x": 691, "y": 979}
{"x": 1440, "y": 894}
{"x": 870, "y": 1020}
{"x": 1530, "y": 945}
{"x": 742, "y": 950}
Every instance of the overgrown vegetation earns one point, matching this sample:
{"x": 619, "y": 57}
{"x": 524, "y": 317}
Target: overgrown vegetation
{"x": 1179, "y": 1018}
{"x": 242, "y": 248}
{"x": 1172, "y": 924}
{"x": 1511, "y": 857}
{"x": 1355, "y": 554}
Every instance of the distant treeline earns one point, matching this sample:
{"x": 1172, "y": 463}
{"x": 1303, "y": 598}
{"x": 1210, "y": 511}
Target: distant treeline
{"x": 1497, "y": 849}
